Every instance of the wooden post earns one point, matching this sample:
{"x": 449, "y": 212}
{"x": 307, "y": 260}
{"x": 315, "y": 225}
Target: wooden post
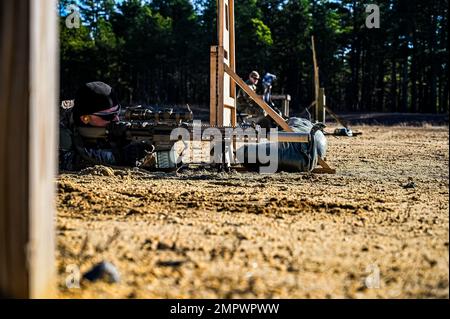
{"x": 213, "y": 107}
{"x": 232, "y": 62}
{"x": 28, "y": 106}
{"x": 320, "y": 106}
{"x": 222, "y": 89}
{"x": 213, "y": 85}
{"x": 316, "y": 79}
{"x": 286, "y": 106}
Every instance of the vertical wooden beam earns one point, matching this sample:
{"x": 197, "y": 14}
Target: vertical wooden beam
{"x": 44, "y": 106}
{"x": 316, "y": 69}
{"x": 286, "y": 105}
{"x": 28, "y": 106}
{"x": 232, "y": 61}
{"x": 220, "y": 22}
{"x": 220, "y": 86}
{"x": 320, "y": 107}
{"x": 213, "y": 86}
{"x": 316, "y": 78}
{"x": 232, "y": 46}
{"x": 14, "y": 130}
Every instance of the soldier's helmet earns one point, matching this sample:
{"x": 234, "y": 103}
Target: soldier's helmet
{"x": 255, "y": 75}
{"x": 94, "y": 97}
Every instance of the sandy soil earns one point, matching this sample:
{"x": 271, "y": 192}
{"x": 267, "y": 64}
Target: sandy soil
{"x": 384, "y": 216}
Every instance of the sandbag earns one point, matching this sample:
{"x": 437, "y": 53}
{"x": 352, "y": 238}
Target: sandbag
{"x": 292, "y": 157}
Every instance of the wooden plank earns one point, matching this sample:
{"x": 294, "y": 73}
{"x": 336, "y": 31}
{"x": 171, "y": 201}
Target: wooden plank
{"x": 316, "y": 78}
{"x": 320, "y": 170}
{"x": 44, "y": 106}
{"x": 223, "y": 89}
{"x": 225, "y": 31}
{"x": 292, "y": 137}
{"x": 220, "y": 86}
{"x": 326, "y": 169}
{"x": 233, "y": 67}
{"x": 233, "y": 117}
{"x": 316, "y": 69}
{"x": 285, "y": 108}
{"x": 281, "y": 97}
{"x": 220, "y": 22}
{"x": 28, "y": 106}
{"x": 336, "y": 117}
{"x": 213, "y": 86}
{"x": 14, "y": 32}
{"x": 258, "y": 100}
{"x": 232, "y": 54}
{"x": 320, "y": 107}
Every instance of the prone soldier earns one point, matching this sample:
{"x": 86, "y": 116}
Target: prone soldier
{"x": 95, "y": 106}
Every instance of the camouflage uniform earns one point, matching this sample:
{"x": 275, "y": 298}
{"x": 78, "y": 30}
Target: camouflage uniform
{"x": 76, "y": 152}
{"x": 247, "y": 109}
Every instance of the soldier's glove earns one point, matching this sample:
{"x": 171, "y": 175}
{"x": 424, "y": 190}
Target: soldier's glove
{"x": 133, "y": 153}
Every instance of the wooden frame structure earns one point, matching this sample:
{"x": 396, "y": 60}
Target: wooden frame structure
{"x": 223, "y": 80}
{"x": 28, "y": 126}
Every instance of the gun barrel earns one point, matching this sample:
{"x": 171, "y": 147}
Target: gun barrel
{"x": 165, "y": 116}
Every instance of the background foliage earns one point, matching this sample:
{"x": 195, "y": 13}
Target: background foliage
{"x": 157, "y": 52}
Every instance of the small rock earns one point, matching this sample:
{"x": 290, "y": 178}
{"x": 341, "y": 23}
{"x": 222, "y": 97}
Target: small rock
{"x": 171, "y": 263}
{"x": 103, "y": 271}
{"x": 410, "y": 184}
{"x": 133, "y": 211}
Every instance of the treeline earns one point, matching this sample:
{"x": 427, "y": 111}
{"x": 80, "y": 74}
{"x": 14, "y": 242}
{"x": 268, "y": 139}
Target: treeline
{"x": 157, "y": 52}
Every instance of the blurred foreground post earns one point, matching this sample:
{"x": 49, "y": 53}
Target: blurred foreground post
{"x": 28, "y": 107}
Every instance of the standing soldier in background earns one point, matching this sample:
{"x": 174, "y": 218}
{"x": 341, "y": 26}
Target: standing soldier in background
{"x": 247, "y": 110}
{"x": 267, "y": 82}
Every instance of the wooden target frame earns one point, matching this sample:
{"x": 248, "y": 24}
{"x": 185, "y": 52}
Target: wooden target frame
{"x": 223, "y": 79}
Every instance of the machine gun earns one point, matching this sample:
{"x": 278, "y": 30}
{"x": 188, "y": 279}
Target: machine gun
{"x": 157, "y": 132}
{"x": 144, "y": 126}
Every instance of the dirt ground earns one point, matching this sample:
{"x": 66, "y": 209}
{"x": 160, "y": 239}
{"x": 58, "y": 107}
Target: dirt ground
{"x": 378, "y": 228}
